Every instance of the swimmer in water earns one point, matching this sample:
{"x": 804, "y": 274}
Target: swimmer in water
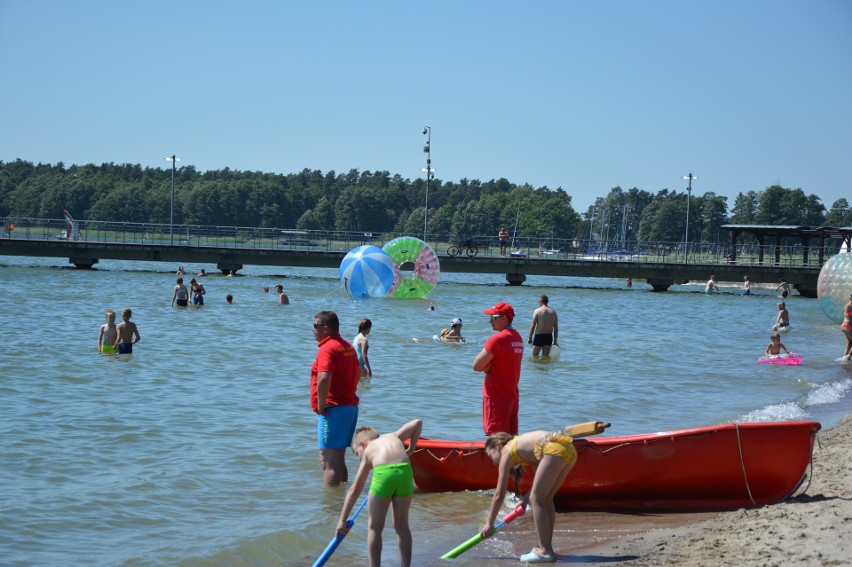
{"x": 108, "y": 334}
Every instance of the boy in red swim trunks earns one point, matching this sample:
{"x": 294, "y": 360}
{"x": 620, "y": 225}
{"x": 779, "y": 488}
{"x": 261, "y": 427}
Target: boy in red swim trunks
{"x": 393, "y": 483}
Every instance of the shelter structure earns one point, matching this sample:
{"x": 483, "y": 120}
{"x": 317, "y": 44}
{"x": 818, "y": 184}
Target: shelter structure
{"x": 776, "y": 233}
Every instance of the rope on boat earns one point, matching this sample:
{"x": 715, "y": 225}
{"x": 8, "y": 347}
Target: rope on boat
{"x": 809, "y": 476}
{"x": 742, "y": 461}
{"x": 445, "y": 457}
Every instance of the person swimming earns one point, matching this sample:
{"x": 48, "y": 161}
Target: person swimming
{"x": 454, "y": 332}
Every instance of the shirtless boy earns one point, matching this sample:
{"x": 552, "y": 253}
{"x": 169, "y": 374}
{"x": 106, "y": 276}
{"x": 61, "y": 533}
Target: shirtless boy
{"x": 108, "y": 334}
{"x": 544, "y": 329}
{"x": 775, "y": 345}
{"x": 783, "y": 319}
{"x": 393, "y": 483}
{"x": 127, "y": 334}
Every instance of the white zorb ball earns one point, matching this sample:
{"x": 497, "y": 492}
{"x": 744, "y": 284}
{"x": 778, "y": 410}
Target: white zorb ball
{"x": 834, "y": 285}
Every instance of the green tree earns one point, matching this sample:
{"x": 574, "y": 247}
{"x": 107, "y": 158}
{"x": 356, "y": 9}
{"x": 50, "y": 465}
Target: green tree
{"x": 840, "y": 214}
{"x": 745, "y": 208}
{"x": 714, "y": 211}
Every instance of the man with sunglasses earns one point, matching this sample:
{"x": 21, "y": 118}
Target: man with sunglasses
{"x": 334, "y": 379}
{"x": 500, "y": 359}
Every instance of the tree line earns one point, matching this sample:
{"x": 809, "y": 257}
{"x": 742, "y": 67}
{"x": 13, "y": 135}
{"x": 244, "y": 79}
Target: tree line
{"x": 381, "y": 202}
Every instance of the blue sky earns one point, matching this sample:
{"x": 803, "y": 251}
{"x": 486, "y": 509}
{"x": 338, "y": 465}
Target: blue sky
{"x": 580, "y": 95}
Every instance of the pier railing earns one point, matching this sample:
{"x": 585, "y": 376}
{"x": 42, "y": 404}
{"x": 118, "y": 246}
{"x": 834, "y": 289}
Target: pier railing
{"x": 531, "y": 248}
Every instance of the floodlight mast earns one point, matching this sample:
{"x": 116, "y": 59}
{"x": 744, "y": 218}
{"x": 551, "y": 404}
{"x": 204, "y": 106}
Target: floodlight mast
{"x": 427, "y": 149}
{"x": 174, "y": 159}
{"x": 690, "y": 177}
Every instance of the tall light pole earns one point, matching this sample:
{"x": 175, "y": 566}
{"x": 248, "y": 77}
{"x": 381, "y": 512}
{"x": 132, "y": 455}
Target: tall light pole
{"x": 427, "y": 149}
{"x": 174, "y": 159}
{"x": 688, "y": 195}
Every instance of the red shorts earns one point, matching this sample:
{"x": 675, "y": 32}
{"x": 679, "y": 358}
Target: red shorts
{"x": 499, "y": 415}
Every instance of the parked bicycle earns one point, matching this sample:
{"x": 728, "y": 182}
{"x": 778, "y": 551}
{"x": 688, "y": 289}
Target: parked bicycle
{"x": 467, "y": 247}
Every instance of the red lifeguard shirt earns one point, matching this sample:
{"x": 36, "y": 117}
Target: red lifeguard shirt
{"x": 501, "y": 380}
{"x": 337, "y": 356}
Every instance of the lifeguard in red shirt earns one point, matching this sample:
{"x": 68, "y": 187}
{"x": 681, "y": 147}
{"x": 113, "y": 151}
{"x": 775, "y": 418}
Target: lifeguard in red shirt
{"x": 334, "y": 379}
{"x": 500, "y": 359}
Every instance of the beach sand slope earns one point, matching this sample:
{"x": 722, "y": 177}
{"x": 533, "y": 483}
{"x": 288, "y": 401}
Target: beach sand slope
{"x": 813, "y": 528}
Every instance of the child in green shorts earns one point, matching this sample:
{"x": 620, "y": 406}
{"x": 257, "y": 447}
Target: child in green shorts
{"x": 393, "y": 483}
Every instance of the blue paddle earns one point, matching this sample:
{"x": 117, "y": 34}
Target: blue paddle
{"x": 332, "y": 545}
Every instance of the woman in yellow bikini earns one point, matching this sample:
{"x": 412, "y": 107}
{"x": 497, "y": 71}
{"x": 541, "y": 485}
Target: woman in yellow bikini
{"x": 554, "y": 455}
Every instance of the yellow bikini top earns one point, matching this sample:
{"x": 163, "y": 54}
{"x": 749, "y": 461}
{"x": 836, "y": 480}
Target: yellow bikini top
{"x": 516, "y": 457}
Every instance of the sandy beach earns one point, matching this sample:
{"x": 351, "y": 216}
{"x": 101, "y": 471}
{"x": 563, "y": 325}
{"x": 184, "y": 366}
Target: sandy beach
{"x": 814, "y": 527}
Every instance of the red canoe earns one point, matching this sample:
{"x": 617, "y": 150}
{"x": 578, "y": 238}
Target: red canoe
{"x": 720, "y": 467}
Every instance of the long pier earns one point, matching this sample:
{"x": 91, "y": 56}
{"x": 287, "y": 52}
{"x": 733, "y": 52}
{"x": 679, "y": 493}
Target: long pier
{"x": 656, "y": 264}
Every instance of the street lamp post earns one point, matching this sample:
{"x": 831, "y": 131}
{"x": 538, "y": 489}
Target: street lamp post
{"x": 690, "y": 177}
{"x": 427, "y": 149}
{"x": 174, "y": 159}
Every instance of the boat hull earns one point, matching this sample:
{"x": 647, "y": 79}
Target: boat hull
{"x": 720, "y": 467}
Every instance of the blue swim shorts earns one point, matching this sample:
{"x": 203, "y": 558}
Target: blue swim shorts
{"x": 336, "y": 428}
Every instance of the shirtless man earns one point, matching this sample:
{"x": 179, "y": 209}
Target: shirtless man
{"x": 127, "y": 334}
{"x": 283, "y": 298}
{"x": 785, "y": 289}
{"x": 108, "y": 334}
{"x": 746, "y": 286}
{"x": 783, "y": 319}
{"x": 711, "y": 285}
{"x": 544, "y": 329}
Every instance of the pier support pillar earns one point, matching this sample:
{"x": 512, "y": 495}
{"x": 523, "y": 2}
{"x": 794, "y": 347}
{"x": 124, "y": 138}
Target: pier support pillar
{"x": 83, "y": 263}
{"x": 806, "y": 290}
{"x": 226, "y": 268}
{"x": 516, "y": 279}
{"x": 660, "y": 285}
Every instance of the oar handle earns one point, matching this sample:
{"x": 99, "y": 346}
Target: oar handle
{"x": 518, "y": 511}
{"x": 332, "y": 545}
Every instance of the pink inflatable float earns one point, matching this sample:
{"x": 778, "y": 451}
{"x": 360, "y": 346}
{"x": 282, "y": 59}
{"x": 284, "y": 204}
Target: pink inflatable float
{"x": 791, "y": 359}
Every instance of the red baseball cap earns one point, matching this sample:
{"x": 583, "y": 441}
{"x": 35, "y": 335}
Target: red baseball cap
{"x": 501, "y": 309}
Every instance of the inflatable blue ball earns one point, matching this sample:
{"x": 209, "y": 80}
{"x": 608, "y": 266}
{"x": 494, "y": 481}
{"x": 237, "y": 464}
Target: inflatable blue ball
{"x": 367, "y": 271}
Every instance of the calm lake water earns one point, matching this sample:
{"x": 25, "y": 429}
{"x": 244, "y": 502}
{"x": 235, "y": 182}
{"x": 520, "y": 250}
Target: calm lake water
{"x": 199, "y": 448}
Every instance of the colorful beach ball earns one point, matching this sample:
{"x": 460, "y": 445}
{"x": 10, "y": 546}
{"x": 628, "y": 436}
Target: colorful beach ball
{"x": 367, "y": 271}
{"x": 834, "y": 285}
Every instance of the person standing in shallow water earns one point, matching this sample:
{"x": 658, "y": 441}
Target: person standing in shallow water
{"x": 283, "y": 299}
{"x": 127, "y": 334}
{"x": 362, "y": 345}
{"x": 746, "y": 286}
{"x": 544, "y": 330}
{"x": 711, "y": 286}
{"x": 334, "y": 380}
{"x": 783, "y": 319}
{"x": 108, "y": 333}
{"x": 553, "y": 455}
{"x": 500, "y": 360}
{"x": 181, "y": 294}
{"x": 198, "y": 291}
